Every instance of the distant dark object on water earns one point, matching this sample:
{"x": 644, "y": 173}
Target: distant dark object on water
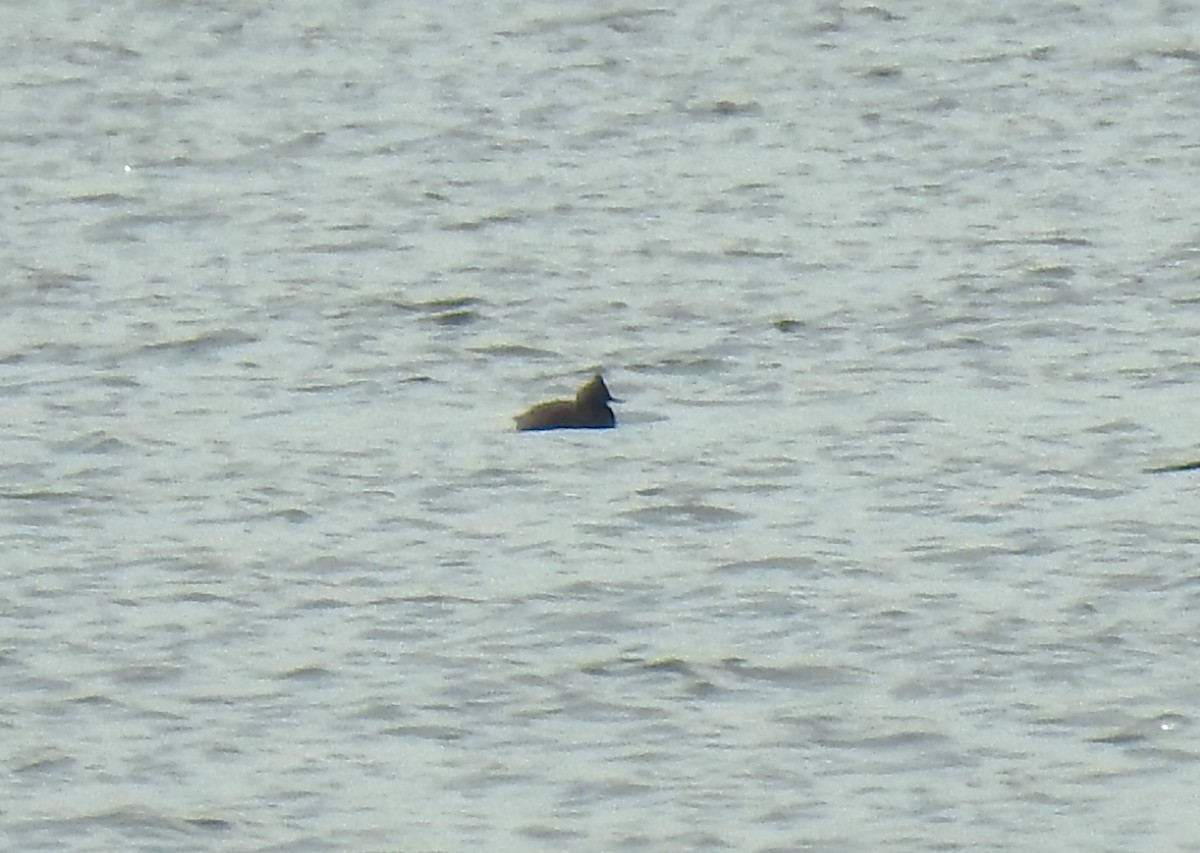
{"x": 589, "y": 410}
{"x": 1181, "y": 466}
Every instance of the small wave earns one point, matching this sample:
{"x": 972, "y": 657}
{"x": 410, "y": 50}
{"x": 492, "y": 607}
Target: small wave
{"x": 684, "y": 514}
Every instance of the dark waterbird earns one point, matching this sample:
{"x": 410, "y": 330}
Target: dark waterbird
{"x": 589, "y": 410}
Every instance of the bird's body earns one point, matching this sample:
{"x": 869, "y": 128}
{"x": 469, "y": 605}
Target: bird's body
{"x": 589, "y": 410}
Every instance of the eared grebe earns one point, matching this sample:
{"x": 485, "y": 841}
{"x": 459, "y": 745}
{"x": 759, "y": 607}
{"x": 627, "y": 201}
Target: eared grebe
{"x": 589, "y": 410}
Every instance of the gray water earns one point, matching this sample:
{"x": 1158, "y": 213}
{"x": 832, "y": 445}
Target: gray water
{"x": 901, "y": 299}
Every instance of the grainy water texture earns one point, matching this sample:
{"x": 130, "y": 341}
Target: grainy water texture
{"x": 903, "y": 299}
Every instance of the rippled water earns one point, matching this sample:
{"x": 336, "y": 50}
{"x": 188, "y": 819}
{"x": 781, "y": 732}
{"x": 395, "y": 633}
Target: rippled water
{"x": 901, "y": 302}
